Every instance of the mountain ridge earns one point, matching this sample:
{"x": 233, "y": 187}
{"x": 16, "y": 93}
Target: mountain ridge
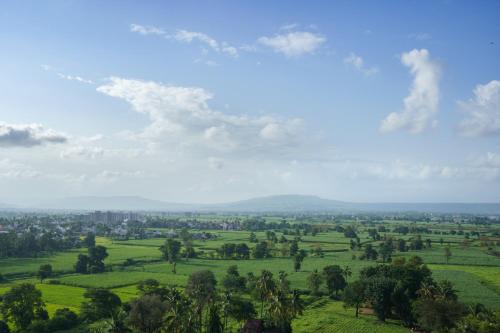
{"x": 273, "y": 203}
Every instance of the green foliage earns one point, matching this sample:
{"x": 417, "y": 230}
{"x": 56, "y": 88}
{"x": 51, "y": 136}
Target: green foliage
{"x": 355, "y": 295}
{"x": 334, "y": 278}
{"x": 171, "y": 250}
{"x": 233, "y": 281}
{"x": 44, "y": 272}
{"x": 146, "y": 313}
{"x": 314, "y": 281}
{"x": 22, "y": 304}
{"x": 261, "y": 250}
{"x": 102, "y": 304}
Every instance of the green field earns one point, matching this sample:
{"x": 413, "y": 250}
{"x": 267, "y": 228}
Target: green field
{"x": 474, "y": 273}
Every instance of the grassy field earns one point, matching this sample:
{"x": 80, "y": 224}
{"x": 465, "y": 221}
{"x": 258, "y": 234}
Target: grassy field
{"x": 473, "y": 271}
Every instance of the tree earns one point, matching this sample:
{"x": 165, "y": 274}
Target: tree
{"x": 253, "y": 237}
{"x": 97, "y": 254}
{"x": 261, "y": 250}
{"x": 370, "y": 253}
{"x": 63, "y": 319}
{"x": 265, "y": 285}
{"x": 180, "y": 317}
{"x": 233, "y": 281}
{"x": 82, "y": 264}
{"x": 201, "y": 288}
{"x": 379, "y": 291}
{"x": 298, "y": 258}
{"x": 242, "y": 251}
{"x": 214, "y": 324}
{"x": 437, "y": 312}
{"x": 314, "y": 281}
{"x": 447, "y": 253}
{"x": 89, "y": 240}
{"x": 402, "y": 245}
{"x": 294, "y": 248}
{"x": 102, "y": 304}
{"x": 44, "y": 272}
{"x": 354, "y": 295}
{"x": 146, "y": 313}
{"x": 334, "y": 278}
{"x": 22, "y": 304}
{"x": 171, "y": 250}
{"x": 241, "y": 310}
{"x": 386, "y": 250}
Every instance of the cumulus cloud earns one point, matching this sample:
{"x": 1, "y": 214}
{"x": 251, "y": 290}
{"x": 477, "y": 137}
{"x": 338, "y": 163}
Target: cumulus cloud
{"x": 181, "y": 117}
{"x": 293, "y": 44}
{"x": 28, "y": 135}
{"x": 358, "y": 63}
{"x": 421, "y": 105}
{"x": 482, "y": 111}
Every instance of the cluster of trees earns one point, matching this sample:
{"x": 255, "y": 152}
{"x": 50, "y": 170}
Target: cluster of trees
{"x": 200, "y": 308}
{"x": 93, "y": 262}
{"x": 406, "y": 290}
{"x": 334, "y": 278}
{"x": 234, "y": 251}
{"x": 33, "y": 243}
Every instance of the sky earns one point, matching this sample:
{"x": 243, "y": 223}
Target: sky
{"x": 215, "y": 101}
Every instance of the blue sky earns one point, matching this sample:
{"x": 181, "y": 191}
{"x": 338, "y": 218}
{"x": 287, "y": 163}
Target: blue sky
{"x": 215, "y": 101}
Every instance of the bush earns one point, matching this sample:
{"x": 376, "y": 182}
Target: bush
{"x": 54, "y": 282}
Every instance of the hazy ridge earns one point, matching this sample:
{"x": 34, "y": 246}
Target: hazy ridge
{"x": 275, "y": 203}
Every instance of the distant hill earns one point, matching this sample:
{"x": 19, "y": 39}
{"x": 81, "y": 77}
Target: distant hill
{"x": 128, "y": 203}
{"x": 275, "y": 203}
{"x": 284, "y": 203}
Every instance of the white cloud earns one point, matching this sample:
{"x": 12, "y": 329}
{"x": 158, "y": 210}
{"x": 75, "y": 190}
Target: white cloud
{"x": 146, "y": 30}
{"x": 483, "y": 111}
{"x": 358, "y": 63}
{"x": 75, "y": 78}
{"x": 293, "y": 44}
{"x": 28, "y": 135}
{"x": 82, "y": 152}
{"x": 190, "y": 36}
{"x": 421, "y": 105}
{"x": 181, "y": 117}
{"x": 10, "y": 169}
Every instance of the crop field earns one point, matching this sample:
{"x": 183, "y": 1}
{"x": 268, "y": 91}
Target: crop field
{"x": 474, "y": 272}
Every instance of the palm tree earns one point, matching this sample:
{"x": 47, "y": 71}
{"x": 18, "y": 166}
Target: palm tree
{"x": 266, "y": 286}
{"x": 117, "y": 322}
{"x": 180, "y": 316}
{"x": 225, "y": 304}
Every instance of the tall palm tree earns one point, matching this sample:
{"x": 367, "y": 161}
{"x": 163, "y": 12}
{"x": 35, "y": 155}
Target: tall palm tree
{"x": 266, "y": 286}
